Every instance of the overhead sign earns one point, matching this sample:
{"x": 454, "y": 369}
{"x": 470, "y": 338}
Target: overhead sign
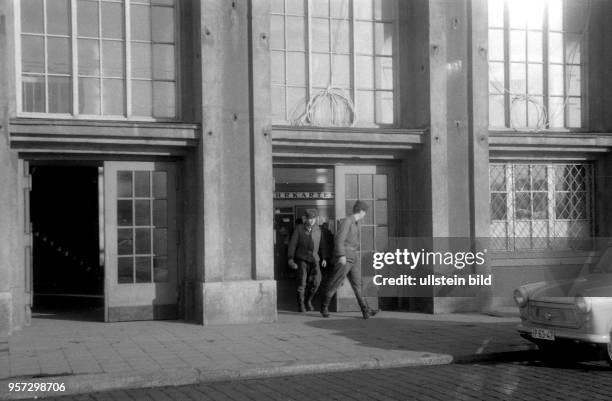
{"x": 303, "y": 195}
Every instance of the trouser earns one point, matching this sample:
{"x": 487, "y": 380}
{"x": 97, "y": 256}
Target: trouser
{"x": 350, "y": 271}
{"x": 308, "y": 279}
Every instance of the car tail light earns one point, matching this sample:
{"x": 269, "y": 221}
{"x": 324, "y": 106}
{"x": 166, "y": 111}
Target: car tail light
{"x": 582, "y": 304}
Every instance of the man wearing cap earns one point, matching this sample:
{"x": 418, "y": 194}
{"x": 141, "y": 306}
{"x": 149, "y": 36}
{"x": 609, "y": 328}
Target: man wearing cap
{"x": 346, "y": 246}
{"x": 304, "y": 255}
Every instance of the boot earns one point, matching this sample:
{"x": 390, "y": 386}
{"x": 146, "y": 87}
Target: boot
{"x": 324, "y": 307}
{"x": 366, "y": 312}
{"x": 309, "y": 306}
{"x": 301, "y": 306}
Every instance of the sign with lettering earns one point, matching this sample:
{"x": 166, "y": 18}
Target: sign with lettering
{"x": 303, "y": 195}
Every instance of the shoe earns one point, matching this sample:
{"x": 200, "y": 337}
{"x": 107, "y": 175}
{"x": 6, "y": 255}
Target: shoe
{"x": 309, "y": 306}
{"x": 324, "y": 311}
{"x": 301, "y": 306}
{"x": 368, "y": 313}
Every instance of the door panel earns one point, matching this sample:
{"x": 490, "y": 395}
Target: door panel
{"x": 140, "y": 241}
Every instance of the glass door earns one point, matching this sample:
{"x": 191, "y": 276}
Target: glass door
{"x": 140, "y": 241}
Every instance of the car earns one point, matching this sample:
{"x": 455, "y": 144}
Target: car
{"x": 577, "y": 311}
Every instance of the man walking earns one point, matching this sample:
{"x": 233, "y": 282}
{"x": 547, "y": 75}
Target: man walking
{"x": 346, "y": 246}
{"x": 304, "y": 250}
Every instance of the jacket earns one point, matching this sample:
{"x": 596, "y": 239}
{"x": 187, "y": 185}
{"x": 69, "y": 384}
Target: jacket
{"x": 346, "y": 240}
{"x": 299, "y": 244}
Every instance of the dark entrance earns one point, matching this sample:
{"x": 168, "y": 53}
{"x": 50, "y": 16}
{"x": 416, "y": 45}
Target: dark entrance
{"x": 68, "y": 280}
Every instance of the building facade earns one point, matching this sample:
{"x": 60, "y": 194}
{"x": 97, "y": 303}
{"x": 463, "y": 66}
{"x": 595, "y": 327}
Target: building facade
{"x": 156, "y": 154}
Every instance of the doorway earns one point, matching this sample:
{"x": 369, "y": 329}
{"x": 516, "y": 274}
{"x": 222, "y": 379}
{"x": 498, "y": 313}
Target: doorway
{"x": 67, "y": 276}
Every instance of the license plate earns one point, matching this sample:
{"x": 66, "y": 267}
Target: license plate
{"x": 543, "y": 334}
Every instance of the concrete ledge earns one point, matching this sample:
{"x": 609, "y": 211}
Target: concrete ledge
{"x": 234, "y": 302}
{"x": 78, "y": 384}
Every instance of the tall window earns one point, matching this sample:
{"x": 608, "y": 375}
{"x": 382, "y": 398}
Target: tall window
{"x": 540, "y": 206}
{"x": 333, "y": 61}
{"x": 535, "y": 63}
{"x": 98, "y": 57}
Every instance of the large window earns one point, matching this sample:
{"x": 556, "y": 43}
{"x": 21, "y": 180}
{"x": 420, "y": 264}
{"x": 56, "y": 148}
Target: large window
{"x": 333, "y": 61}
{"x": 98, "y": 58}
{"x": 535, "y": 63}
{"x": 540, "y": 206}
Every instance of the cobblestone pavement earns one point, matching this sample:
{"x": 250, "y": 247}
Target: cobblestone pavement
{"x": 526, "y": 379}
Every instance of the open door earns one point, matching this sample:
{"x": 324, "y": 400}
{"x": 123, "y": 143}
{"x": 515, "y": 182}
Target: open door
{"x": 140, "y": 241}
{"x": 28, "y": 243}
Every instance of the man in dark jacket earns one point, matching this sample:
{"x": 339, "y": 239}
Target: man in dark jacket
{"x": 304, "y": 255}
{"x": 346, "y": 247}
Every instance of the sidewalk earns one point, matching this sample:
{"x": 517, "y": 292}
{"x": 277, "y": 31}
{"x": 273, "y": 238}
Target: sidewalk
{"x": 95, "y": 356}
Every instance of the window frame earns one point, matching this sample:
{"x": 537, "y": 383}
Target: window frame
{"x": 74, "y": 74}
{"x": 308, "y": 51}
{"x": 546, "y": 64}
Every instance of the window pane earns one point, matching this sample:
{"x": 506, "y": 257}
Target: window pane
{"x": 89, "y": 57}
{"x": 384, "y": 73}
{"x": 163, "y": 62}
{"x": 380, "y": 186}
{"x": 142, "y": 184}
{"x": 341, "y": 36}
{"x": 143, "y": 269}
{"x": 277, "y": 32}
{"x": 496, "y": 111}
{"x": 33, "y": 94}
{"x": 32, "y": 54}
{"x": 124, "y": 212}
{"x": 384, "y": 39}
{"x": 572, "y": 48}
{"x": 59, "y": 60}
{"x": 535, "y": 14}
{"x": 555, "y": 47}
{"x": 125, "y": 270}
{"x": 496, "y": 13}
{"x": 60, "y": 95}
{"x": 365, "y": 106}
{"x": 380, "y": 212}
{"x": 57, "y": 17}
{"x": 295, "y": 7}
{"x": 142, "y": 98}
{"x": 497, "y": 177}
{"x": 384, "y": 9}
{"x": 366, "y": 187}
{"x": 319, "y": 8}
{"x": 352, "y": 187}
{"x": 320, "y": 70}
{"x": 32, "y": 16}
{"x": 517, "y": 46}
{"x": 496, "y": 44}
{"x": 365, "y": 72}
{"x": 141, "y": 60}
{"x": 296, "y": 68}
{"x": 555, "y": 80}
{"x": 278, "y": 102}
{"x": 320, "y": 35}
{"x": 382, "y": 238}
{"x": 518, "y": 82}
{"x": 89, "y": 96}
{"x": 556, "y": 112}
{"x": 341, "y": 74}
{"x": 573, "y": 80}
{"x": 535, "y": 79}
{"x": 124, "y": 184}
{"x": 87, "y": 18}
{"x": 160, "y": 213}
{"x": 555, "y": 15}
{"x": 113, "y": 59}
{"x": 113, "y": 96}
{"x": 125, "y": 244}
{"x": 496, "y": 77}
{"x": 362, "y": 9}
{"x": 296, "y": 38}
{"x": 384, "y": 107}
{"x": 364, "y": 37}
{"x": 534, "y": 44}
{"x": 522, "y": 206}
{"x": 296, "y": 102}
{"x": 164, "y": 99}
{"x": 112, "y": 20}
{"x": 143, "y": 240}
{"x": 367, "y": 237}
{"x": 536, "y": 116}
{"x": 278, "y": 67}
{"x": 277, "y": 6}
{"x": 161, "y": 242}
{"x": 140, "y": 22}
{"x": 163, "y": 21}
{"x": 518, "y": 112}
{"x": 339, "y": 8}
{"x": 574, "y": 112}
{"x": 143, "y": 212}
{"x": 518, "y": 10}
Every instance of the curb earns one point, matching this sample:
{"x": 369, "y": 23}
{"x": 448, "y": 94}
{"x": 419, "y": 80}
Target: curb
{"x": 87, "y": 383}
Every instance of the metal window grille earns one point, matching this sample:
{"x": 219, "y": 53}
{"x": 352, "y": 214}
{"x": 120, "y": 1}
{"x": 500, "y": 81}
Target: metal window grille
{"x": 540, "y": 206}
